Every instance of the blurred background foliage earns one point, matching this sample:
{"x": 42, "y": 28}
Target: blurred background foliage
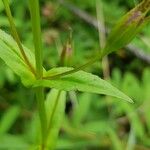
{"x": 91, "y": 121}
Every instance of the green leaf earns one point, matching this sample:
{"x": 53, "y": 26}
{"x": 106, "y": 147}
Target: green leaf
{"x": 116, "y": 142}
{"x": 65, "y": 144}
{"x": 131, "y": 140}
{"x": 11, "y": 55}
{"x": 100, "y": 127}
{"x": 13, "y": 142}
{"x": 132, "y": 87}
{"x": 133, "y": 116}
{"x": 127, "y": 27}
{"x": 146, "y": 89}
{"x": 8, "y": 119}
{"x": 82, "y": 109}
{"x": 81, "y": 81}
{"x": 134, "y": 120}
{"x": 55, "y": 108}
{"x": 1, "y": 6}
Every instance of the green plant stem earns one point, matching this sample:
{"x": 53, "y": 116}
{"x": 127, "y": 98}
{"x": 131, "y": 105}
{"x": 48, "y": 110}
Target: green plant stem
{"x": 15, "y": 35}
{"x": 35, "y": 19}
{"x": 99, "y": 57}
{"x": 42, "y": 114}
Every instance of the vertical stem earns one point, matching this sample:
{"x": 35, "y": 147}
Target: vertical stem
{"x": 102, "y": 37}
{"x": 102, "y": 41}
{"x": 35, "y": 18}
{"x": 42, "y": 114}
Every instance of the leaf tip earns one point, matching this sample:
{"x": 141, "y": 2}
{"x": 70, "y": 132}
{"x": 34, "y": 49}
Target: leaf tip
{"x": 130, "y": 100}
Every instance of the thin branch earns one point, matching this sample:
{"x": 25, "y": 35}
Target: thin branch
{"x": 98, "y": 57}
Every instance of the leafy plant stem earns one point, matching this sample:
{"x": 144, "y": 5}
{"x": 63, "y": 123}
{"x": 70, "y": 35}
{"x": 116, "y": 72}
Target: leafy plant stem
{"x": 42, "y": 114}
{"x": 35, "y": 19}
{"x": 15, "y": 34}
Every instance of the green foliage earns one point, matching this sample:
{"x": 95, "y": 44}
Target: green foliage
{"x": 115, "y": 139}
{"x": 13, "y": 142}
{"x": 92, "y": 121}
{"x": 127, "y": 28}
{"x": 93, "y": 129}
{"x": 2, "y": 6}
{"x": 81, "y": 81}
{"x": 55, "y": 108}
{"x": 81, "y": 109}
{"x": 8, "y": 119}
{"x": 130, "y": 84}
{"x": 10, "y": 51}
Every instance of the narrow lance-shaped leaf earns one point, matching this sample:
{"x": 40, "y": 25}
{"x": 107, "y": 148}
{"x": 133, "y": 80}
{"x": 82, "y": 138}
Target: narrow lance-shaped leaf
{"x": 8, "y": 119}
{"x": 11, "y": 55}
{"x": 82, "y": 109}
{"x": 127, "y": 27}
{"x": 116, "y": 142}
{"x": 55, "y": 108}
{"x": 134, "y": 120}
{"x": 81, "y": 81}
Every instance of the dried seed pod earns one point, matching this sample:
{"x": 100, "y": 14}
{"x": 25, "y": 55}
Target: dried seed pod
{"x": 67, "y": 51}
